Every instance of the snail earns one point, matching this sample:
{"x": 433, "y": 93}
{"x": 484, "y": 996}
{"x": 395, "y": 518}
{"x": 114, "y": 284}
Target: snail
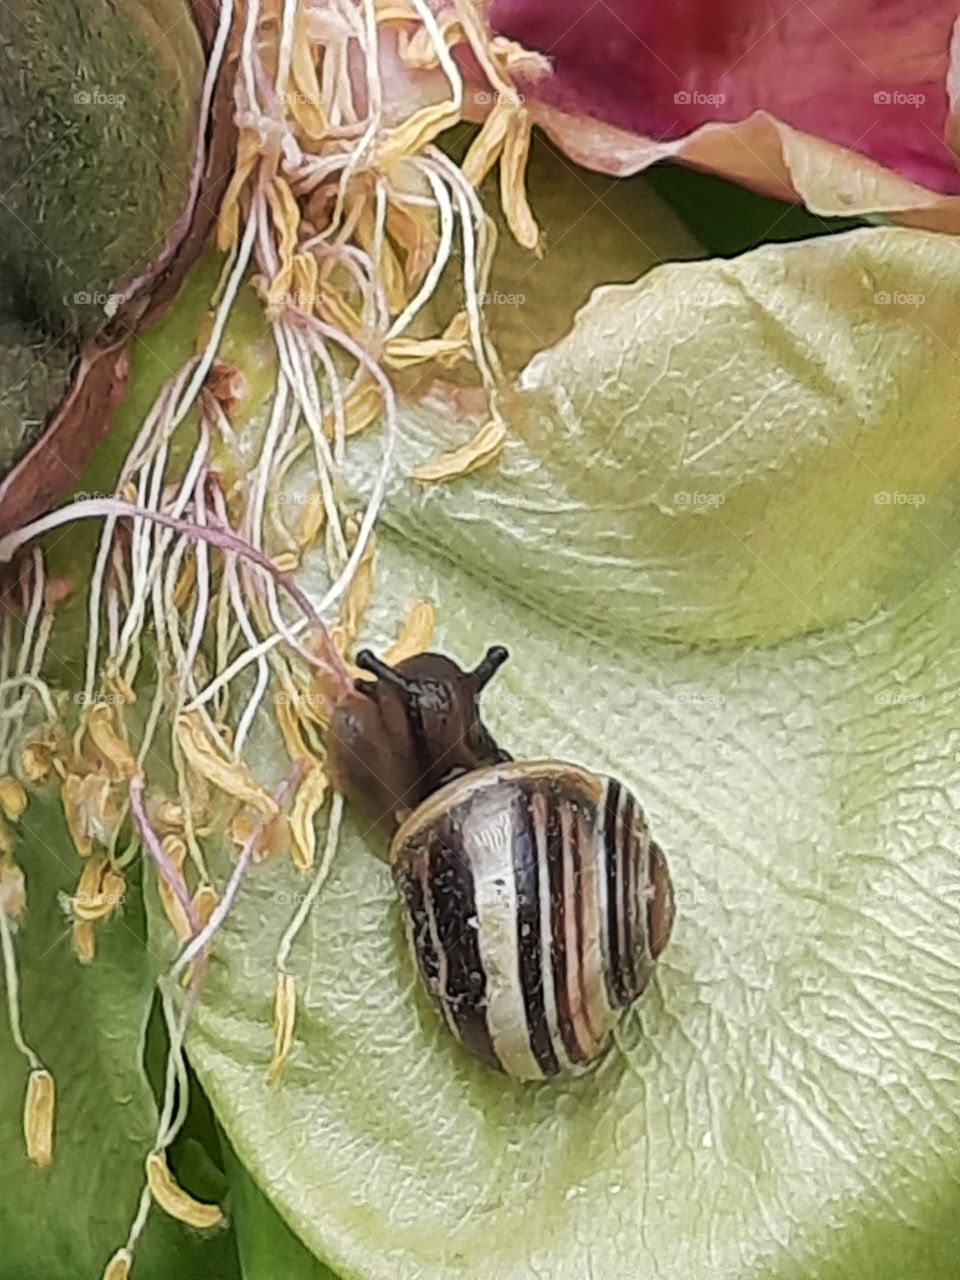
{"x": 536, "y": 902}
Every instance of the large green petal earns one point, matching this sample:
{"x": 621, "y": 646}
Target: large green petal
{"x": 784, "y": 1105}
{"x": 725, "y": 450}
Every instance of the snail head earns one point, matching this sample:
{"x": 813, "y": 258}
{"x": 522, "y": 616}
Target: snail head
{"x": 409, "y": 731}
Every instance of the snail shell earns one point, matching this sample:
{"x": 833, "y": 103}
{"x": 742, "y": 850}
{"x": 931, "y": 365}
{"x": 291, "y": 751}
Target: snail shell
{"x": 536, "y": 902}
{"x": 536, "y": 905}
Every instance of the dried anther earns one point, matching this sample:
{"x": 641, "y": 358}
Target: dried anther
{"x": 13, "y": 893}
{"x": 172, "y": 1198}
{"x": 284, "y": 1017}
{"x": 13, "y": 798}
{"x": 38, "y": 1113}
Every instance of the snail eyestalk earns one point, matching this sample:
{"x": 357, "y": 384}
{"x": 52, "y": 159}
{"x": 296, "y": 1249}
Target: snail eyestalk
{"x": 367, "y": 660}
{"x": 489, "y": 665}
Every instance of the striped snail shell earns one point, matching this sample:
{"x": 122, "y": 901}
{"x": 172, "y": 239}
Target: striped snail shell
{"x": 535, "y": 900}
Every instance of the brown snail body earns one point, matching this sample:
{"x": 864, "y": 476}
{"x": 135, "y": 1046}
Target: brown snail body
{"x": 536, "y": 902}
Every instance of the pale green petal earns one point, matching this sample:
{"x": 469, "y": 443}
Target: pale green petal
{"x": 725, "y": 450}
{"x": 785, "y": 1104}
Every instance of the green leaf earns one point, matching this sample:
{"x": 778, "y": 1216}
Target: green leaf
{"x": 784, "y": 1104}
{"x": 87, "y": 1023}
{"x": 269, "y": 1250}
{"x": 728, "y": 218}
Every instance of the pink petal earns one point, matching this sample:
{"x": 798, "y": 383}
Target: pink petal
{"x": 866, "y": 74}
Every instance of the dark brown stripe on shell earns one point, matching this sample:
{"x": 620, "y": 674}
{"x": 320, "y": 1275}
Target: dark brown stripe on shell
{"x": 580, "y": 836}
{"x": 641, "y": 862}
{"x": 561, "y": 901}
{"x": 526, "y": 871}
{"x": 619, "y": 994}
{"x": 627, "y": 851}
{"x": 410, "y": 885}
{"x": 455, "y": 914}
